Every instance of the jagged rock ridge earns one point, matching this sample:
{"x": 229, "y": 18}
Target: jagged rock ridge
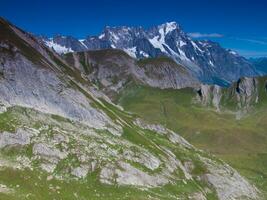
{"x": 206, "y": 60}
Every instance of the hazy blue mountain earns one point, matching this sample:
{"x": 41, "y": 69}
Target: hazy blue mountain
{"x": 260, "y": 64}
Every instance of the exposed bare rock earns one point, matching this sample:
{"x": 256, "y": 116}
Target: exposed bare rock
{"x": 210, "y": 95}
{"x": 153, "y": 127}
{"x": 46, "y": 151}
{"x": 5, "y": 189}
{"x": 20, "y": 137}
{"x": 228, "y": 183}
{"x": 128, "y": 175}
{"x": 80, "y": 172}
{"x": 48, "y": 93}
{"x": 145, "y": 158}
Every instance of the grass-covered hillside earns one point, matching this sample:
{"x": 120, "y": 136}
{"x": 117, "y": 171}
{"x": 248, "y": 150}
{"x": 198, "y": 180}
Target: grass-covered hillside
{"x": 240, "y": 142}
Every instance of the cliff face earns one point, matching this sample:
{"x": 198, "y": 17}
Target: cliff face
{"x": 241, "y": 96}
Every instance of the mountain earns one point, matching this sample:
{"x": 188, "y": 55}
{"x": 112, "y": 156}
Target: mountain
{"x": 62, "y": 138}
{"x": 206, "y": 60}
{"x": 260, "y": 64}
{"x": 113, "y": 70}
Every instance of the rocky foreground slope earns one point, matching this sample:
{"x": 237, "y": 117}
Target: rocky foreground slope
{"x": 62, "y": 138}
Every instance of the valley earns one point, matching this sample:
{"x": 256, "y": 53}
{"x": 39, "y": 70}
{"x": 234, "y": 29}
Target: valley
{"x": 102, "y": 124}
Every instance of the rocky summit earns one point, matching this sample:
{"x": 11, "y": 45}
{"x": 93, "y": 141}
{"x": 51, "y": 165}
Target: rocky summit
{"x": 206, "y": 60}
{"x": 93, "y": 118}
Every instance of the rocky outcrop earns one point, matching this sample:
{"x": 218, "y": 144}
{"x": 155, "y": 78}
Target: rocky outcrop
{"x": 20, "y": 138}
{"x": 210, "y": 95}
{"x": 227, "y": 182}
{"x": 126, "y": 174}
{"x": 240, "y": 97}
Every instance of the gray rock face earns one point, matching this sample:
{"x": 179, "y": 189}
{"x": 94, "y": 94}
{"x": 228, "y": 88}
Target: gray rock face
{"x": 243, "y": 95}
{"x": 247, "y": 91}
{"x": 128, "y": 175}
{"x": 35, "y": 81}
{"x": 80, "y": 172}
{"x": 114, "y": 68}
{"x": 204, "y": 59}
{"x": 210, "y": 95}
{"x": 46, "y": 151}
{"x": 228, "y": 183}
{"x": 20, "y": 138}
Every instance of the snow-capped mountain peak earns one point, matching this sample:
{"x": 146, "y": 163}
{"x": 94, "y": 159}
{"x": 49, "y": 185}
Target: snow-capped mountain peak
{"x": 205, "y": 59}
{"x": 168, "y": 27}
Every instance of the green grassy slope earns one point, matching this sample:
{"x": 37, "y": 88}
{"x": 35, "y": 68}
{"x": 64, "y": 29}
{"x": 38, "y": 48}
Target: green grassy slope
{"x": 35, "y": 184}
{"x": 241, "y": 143}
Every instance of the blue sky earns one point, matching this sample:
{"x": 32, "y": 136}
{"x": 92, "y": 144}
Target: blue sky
{"x": 236, "y": 24}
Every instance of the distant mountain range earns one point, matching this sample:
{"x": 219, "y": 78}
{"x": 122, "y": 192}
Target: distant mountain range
{"x": 260, "y": 64}
{"x": 206, "y": 60}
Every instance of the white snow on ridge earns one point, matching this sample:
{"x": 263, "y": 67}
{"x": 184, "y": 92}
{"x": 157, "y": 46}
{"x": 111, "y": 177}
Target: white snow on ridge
{"x": 211, "y": 63}
{"x": 131, "y": 51}
{"x": 233, "y": 52}
{"x": 101, "y": 36}
{"x": 115, "y": 38}
{"x": 144, "y": 54}
{"x": 181, "y": 43}
{"x": 196, "y": 47}
{"x": 82, "y": 42}
{"x": 182, "y": 55}
{"x": 157, "y": 43}
{"x": 58, "y": 48}
{"x": 170, "y": 26}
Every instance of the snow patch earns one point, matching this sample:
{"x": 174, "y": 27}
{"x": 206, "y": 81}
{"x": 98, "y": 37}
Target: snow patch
{"x": 182, "y": 55}
{"x": 57, "y": 47}
{"x": 196, "y": 47}
{"x": 182, "y": 43}
{"x": 170, "y": 26}
{"x": 144, "y": 54}
{"x": 131, "y": 51}
{"x": 82, "y": 42}
{"x": 158, "y": 43}
{"x": 233, "y": 52}
{"x": 101, "y": 36}
{"x": 211, "y": 63}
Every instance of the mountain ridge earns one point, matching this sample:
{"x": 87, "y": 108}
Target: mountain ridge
{"x": 206, "y": 60}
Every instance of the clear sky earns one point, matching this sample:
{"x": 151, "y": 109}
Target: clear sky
{"x": 237, "y": 24}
